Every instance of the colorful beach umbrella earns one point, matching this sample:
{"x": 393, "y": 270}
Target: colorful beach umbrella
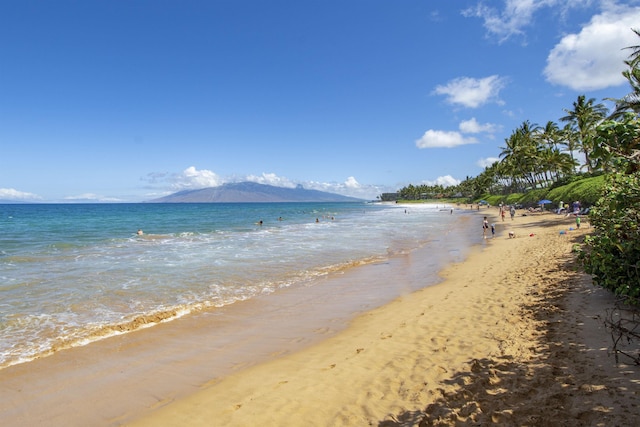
{"x": 544, "y": 202}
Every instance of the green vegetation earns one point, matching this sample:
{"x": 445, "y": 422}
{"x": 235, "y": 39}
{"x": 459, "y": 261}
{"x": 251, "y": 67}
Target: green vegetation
{"x": 541, "y": 162}
{"x": 587, "y": 190}
{"x": 612, "y": 254}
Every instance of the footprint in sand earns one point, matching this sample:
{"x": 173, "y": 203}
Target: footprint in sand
{"x": 281, "y": 383}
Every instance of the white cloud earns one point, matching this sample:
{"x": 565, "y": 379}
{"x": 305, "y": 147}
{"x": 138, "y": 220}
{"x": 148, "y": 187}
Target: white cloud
{"x": 448, "y": 139}
{"x": 352, "y": 183}
{"x": 91, "y": 197}
{"x": 517, "y": 14}
{"x": 486, "y": 162}
{"x": 350, "y": 187}
{"x": 440, "y": 138}
{"x": 270, "y": 179}
{"x": 502, "y": 25}
{"x": 84, "y": 196}
{"x": 13, "y": 194}
{"x": 445, "y": 181}
{"x": 472, "y": 126}
{"x": 435, "y": 16}
{"x": 345, "y": 188}
{"x": 593, "y": 58}
{"x": 470, "y": 92}
{"x": 191, "y": 178}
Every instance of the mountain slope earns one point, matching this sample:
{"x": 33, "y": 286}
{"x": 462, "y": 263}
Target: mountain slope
{"x": 251, "y": 192}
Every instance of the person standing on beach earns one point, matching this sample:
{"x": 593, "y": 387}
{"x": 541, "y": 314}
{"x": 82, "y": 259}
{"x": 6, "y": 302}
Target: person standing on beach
{"x": 512, "y": 212}
{"x": 485, "y": 226}
{"x": 577, "y": 221}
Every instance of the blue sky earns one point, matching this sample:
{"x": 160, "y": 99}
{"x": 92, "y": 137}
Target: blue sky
{"x": 125, "y": 101}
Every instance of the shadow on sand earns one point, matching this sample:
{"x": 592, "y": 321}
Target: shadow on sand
{"x": 553, "y": 388}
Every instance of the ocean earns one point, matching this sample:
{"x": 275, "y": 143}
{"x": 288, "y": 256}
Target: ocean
{"x": 72, "y": 274}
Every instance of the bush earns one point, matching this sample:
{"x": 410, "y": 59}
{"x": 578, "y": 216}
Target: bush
{"x": 587, "y": 191}
{"x": 612, "y": 254}
{"x": 513, "y": 199}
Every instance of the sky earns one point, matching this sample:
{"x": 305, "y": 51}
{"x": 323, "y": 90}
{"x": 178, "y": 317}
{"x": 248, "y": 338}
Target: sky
{"x": 127, "y": 101}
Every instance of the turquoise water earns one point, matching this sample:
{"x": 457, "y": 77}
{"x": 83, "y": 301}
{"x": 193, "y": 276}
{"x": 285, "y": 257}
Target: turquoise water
{"x": 73, "y": 274}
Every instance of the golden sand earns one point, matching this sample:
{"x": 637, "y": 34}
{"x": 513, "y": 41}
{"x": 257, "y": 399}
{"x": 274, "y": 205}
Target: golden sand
{"x": 513, "y": 336}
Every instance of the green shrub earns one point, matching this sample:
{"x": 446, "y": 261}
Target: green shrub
{"x": 587, "y": 191}
{"x": 612, "y": 254}
{"x": 514, "y": 198}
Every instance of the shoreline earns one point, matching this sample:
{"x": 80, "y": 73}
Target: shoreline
{"x": 512, "y": 335}
{"x": 116, "y": 284}
{"x": 126, "y": 376}
{"x": 452, "y": 347}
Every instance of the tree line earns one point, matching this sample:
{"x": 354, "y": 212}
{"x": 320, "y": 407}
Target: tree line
{"x": 535, "y": 157}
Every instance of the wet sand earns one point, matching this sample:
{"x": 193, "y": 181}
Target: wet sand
{"x": 512, "y": 335}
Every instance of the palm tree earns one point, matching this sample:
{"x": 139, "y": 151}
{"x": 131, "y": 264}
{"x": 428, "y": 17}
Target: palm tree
{"x": 551, "y": 135}
{"x": 521, "y": 154}
{"x": 634, "y": 58}
{"x": 631, "y": 101}
{"x": 569, "y": 138}
{"x": 484, "y": 183}
{"x": 585, "y": 116}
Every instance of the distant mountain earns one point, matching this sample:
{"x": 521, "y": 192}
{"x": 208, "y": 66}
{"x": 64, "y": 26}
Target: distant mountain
{"x": 251, "y": 192}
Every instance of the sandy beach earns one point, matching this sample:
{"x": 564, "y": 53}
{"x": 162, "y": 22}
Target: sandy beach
{"x": 513, "y": 335}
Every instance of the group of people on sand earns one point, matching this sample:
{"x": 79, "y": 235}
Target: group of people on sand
{"x": 486, "y": 226}
{"x": 503, "y": 210}
{"x": 577, "y": 211}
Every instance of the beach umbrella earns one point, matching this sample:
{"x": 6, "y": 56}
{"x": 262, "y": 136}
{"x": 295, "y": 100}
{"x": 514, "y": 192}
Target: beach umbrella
{"x": 544, "y": 202}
